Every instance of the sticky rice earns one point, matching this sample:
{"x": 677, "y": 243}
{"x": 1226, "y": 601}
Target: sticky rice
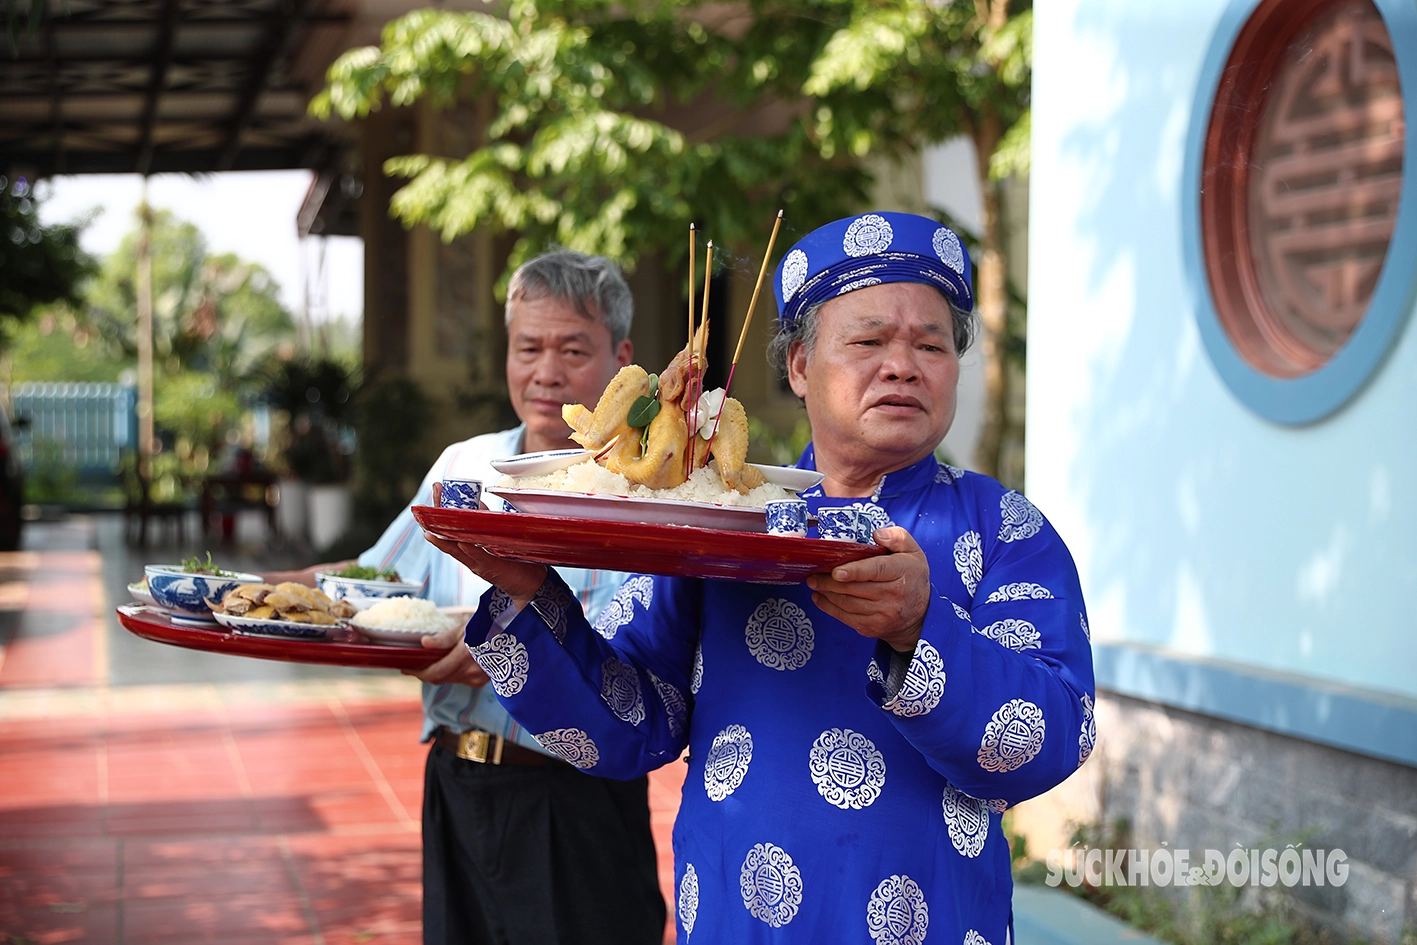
{"x": 413, "y": 614}
{"x": 705, "y": 485}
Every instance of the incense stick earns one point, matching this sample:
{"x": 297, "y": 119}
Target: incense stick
{"x": 747, "y": 320}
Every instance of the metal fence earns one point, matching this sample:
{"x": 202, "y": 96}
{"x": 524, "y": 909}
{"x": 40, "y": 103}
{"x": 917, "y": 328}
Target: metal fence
{"x": 86, "y": 427}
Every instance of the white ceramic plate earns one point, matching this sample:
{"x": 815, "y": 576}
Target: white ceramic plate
{"x": 139, "y": 590}
{"x": 410, "y": 637}
{"x": 257, "y": 626}
{"x": 542, "y": 464}
{"x": 614, "y": 508}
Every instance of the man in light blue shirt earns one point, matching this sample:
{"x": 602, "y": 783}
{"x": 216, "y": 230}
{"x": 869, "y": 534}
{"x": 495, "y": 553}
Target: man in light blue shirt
{"x": 518, "y": 846}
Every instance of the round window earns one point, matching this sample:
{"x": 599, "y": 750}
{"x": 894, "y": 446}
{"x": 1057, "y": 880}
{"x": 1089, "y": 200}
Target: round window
{"x": 1300, "y": 187}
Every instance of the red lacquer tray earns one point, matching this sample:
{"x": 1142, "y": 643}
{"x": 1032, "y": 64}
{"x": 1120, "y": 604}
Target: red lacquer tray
{"x": 155, "y": 625}
{"x": 675, "y": 550}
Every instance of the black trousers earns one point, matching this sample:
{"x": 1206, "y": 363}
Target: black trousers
{"x": 517, "y": 855}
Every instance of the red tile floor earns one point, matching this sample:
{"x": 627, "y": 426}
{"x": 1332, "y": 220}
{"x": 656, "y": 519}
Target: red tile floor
{"x": 272, "y": 812}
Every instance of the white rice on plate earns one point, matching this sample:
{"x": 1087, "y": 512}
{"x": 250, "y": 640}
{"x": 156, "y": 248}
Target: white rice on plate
{"x": 705, "y": 485}
{"x": 410, "y": 614}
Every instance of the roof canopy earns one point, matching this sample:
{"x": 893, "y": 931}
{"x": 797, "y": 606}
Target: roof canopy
{"x": 151, "y": 86}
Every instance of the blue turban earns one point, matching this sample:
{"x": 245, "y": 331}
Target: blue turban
{"x": 871, "y": 249}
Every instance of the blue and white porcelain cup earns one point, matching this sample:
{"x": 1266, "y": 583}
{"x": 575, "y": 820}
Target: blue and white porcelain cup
{"x": 786, "y": 517}
{"x": 462, "y": 494}
{"x": 840, "y": 524}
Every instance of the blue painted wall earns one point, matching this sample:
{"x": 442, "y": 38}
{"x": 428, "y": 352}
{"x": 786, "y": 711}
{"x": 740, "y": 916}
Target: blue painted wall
{"x": 1198, "y": 526}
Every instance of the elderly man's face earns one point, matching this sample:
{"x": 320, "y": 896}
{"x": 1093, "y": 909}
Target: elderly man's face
{"x": 556, "y": 356}
{"x": 880, "y": 382}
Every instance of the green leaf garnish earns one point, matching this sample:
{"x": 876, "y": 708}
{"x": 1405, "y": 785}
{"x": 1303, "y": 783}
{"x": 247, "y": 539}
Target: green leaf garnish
{"x": 642, "y": 411}
{"x": 654, "y": 386}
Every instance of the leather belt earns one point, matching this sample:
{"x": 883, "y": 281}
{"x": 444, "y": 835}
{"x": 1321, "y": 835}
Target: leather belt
{"x": 486, "y": 748}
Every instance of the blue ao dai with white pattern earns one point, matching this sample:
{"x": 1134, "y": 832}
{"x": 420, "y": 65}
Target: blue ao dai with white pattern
{"x": 818, "y": 807}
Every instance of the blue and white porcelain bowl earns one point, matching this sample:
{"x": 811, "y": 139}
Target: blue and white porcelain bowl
{"x": 847, "y": 523}
{"x": 461, "y": 494}
{"x": 786, "y": 517}
{"x": 339, "y": 588}
{"x": 185, "y": 595}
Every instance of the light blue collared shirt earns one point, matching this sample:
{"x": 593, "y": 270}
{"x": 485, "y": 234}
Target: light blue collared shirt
{"x": 448, "y": 583}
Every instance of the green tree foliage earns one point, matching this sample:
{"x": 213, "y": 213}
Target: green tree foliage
{"x": 39, "y": 265}
{"x": 576, "y": 151}
{"x": 579, "y": 147}
{"x": 212, "y": 313}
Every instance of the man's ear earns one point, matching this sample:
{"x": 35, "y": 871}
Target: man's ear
{"x": 797, "y": 369}
{"x": 625, "y": 352}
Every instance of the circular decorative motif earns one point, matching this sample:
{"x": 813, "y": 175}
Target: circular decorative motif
{"x": 1020, "y": 518}
{"x": 696, "y": 675}
{"x": 1088, "y": 738}
{"x": 688, "y": 908}
{"x": 794, "y": 273}
{"x": 858, "y": 284}
{"x": 551, "y": 603}
{"x": 1019, "y": 590}
{"x": 866, "y": 235}
{"x": 676, "y": 710}
{"x": 1298, "y": 230}
{"x": 974, "y": 938}
{"x": 924, "y": 683}
{"x": 727, "y": 762}
{"x": 969, "y": 560}
{"x": 847, "y": 769}
{"x": 780, "y": 635}
{"x": 967, "y": 820}
{"x": 1012, "y": 738}
{"x": 1018, "y": 635}
{"x": 897, "y": 913}
{"x": 504, "y": 659}
{"x": 620, "y": 688}
{"x": 621, "y": 609}
{"x": 571, "y": 744}
{"x": 960, "y": 612}
{"x": 948, "y": 249}
{"x": 948, "y": 475}
{"x": 771, "y": 885}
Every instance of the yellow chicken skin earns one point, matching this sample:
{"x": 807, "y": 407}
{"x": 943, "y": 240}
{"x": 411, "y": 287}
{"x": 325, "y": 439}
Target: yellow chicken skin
{"x": 595, "y": 430}
{"x": 730, "y": 448}
{"x": 662, "y": 465}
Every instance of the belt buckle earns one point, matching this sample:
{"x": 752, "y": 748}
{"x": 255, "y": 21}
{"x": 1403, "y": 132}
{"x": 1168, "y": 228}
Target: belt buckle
{"x": 482, "y": 747}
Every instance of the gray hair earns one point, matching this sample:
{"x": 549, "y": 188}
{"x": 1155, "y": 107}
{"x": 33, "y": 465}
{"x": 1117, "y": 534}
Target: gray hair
{"x": 593, "y": 284}
{"x": 804, "y": 330}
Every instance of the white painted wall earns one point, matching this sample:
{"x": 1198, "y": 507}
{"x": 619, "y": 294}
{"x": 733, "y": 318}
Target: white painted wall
{"x": 1196, "y": 525}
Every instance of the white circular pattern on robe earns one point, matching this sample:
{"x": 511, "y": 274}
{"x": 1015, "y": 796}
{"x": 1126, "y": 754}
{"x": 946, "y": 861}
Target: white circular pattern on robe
{"x": 571, "y": 744}
{"x": 874, "y": 674}
{"x": 868, "y": 234}
{"x": 858, "y": 284}
{"x": 498, "y": 602}
{"x": 1019, "y": 590}
{"x": 551, "y": 604}
{"x": 794, "y": 273}
{"x": 1082, "y": 618}
{"x": 967, "y": 820}
{"x": 504, "y": 659}
{"x": 1088, "y": 738}
{"x": 847, "y": 769}
{"x": 696, "y": 675}
{"x": 948, "y": 249}
{"x": 998, "y": 805}
{"x": 1013, "y": 737}
{"x": 924, "y": 683}
{"x": 621, "y": 609}
{"x": 1020, "y": 518}
{"x": 960, "y": 612}
{"x": 948, "y": 475}
{"x": 620, "y": 688}
{"x": 771, "y": 885}
{"x": 897, "y": 913}
{"x": 969, "y": 560}
{"x": 688, "y": 908}
{"x": 780, "y": 635}
{"x": 727, "y": 762}
{"x": 879, "y": 517}
{"x": 675, "y": 708}
{"x": 1017, "y": 635}
{"x": 974, "y": 938}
